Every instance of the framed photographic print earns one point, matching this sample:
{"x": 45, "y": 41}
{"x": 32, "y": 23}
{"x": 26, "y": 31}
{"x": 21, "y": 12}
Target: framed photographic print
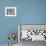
{"x": 33, "y": 32}
{"x": 10, "y": 11}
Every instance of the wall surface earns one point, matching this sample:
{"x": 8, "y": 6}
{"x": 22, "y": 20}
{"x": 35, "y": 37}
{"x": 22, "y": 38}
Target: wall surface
{"x": 28, "y": 12}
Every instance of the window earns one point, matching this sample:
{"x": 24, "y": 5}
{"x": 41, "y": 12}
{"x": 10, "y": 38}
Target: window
{"x": 10, "y": 11}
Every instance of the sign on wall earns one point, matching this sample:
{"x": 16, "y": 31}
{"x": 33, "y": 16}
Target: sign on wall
{"x": 10, "y": 11}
